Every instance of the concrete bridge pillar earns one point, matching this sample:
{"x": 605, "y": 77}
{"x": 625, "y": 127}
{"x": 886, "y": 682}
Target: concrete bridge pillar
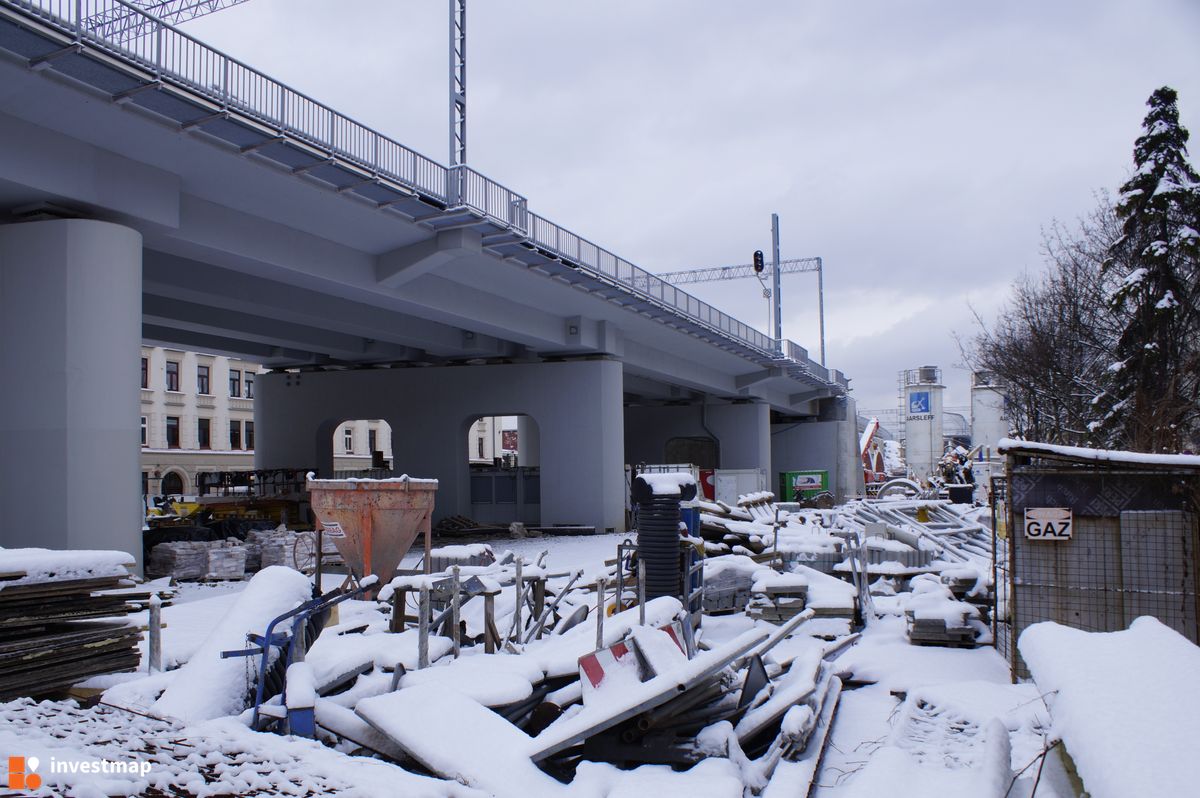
{"x": 739, "y": 435}
{"x": 528, "y": 443}
{"x": 575, "y": 405}
{"x": 828, "y": 442}
{"x": 70, "y": 333}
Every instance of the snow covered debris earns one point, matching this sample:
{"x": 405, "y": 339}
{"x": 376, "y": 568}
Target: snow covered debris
{"x": 493, "y": 681}
{"x": 885, "y": 656}
{"x": 458, "y": 738}
{"x": 1100, "y": 455}
{"x": 145, "y": 756}
{"x": 209, "y": 686}
{"x": 569, "y": 729}
{"x": 334, "y": 655}
{"x": 301, "y": 688}
{"x": 1124, "y": 703}
{"x": 43, "y": 565}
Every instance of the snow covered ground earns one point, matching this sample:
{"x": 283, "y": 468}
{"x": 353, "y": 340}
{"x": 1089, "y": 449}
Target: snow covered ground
{"x": 911, "y": 720}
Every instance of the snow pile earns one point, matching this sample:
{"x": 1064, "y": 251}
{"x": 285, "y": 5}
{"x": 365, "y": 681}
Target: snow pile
{"x": 671, "y": 484}
{"x": 1124, "y": 703}
{"x": 43, "y": 565}
{"x": 711, "y": 778}
{"x": 932, "y": 600}
{"x": 885, "y": 656}
{"x": 209, "y": 686}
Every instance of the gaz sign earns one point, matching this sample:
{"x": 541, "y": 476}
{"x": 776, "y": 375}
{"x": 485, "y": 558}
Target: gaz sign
{"x": 1048, "y": 523}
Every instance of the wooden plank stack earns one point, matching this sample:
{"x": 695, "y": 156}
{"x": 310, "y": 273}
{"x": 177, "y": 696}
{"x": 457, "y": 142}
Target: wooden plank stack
{"x": 50, "y": 637}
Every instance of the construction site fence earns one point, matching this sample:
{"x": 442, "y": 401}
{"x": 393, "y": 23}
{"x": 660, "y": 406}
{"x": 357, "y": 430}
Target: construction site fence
{"x": 1134, "y": 551}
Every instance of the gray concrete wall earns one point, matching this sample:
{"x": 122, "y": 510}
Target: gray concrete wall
{"x": 70, "y": 333}
{"x": 829, "y": 444}
{"x": 577, "y": 406}
{"x": 742, "y": 430}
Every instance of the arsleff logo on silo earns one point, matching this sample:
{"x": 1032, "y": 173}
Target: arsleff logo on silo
{"x": 918, "y": 402}
{"x": 21, "y": 773}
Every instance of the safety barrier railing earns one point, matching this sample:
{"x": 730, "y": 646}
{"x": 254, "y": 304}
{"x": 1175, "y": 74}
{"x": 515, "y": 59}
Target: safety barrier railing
{"x": 468, "y": 187}
{"x": 166, "y": 53}
{"x": 169, "y": 54}
{"x": 570, "y": 246}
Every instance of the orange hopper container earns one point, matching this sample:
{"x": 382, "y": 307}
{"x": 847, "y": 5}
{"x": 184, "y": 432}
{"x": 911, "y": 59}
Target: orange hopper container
{"x": 373, "y": 522}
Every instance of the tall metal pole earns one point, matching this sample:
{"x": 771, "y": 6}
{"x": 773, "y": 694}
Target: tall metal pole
{"x": 775, "y": 271}
{"x": 458, "y": 95}
{"x": 821, "y": 304}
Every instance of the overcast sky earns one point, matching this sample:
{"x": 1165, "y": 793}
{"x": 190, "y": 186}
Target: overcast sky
{"x": 918, "y": 147}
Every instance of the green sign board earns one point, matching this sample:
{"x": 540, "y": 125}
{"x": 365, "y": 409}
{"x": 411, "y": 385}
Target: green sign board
{"x": 797, "y": 485}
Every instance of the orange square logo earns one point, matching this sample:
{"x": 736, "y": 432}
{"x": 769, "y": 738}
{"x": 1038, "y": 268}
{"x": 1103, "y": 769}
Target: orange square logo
{"x": 22, "y": 773}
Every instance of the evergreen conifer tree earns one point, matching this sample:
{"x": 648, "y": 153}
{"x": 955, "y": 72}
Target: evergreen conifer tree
{"x": 1153, "y": 392}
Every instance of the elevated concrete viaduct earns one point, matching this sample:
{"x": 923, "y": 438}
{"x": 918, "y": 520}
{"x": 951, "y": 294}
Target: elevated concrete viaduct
{"x": 163, "y": 189}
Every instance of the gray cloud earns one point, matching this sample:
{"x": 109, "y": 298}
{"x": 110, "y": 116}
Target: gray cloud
{"x": 917, "y": 147}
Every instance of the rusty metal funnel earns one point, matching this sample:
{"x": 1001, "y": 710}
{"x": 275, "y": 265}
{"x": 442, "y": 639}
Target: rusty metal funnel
{"x": 373, "y": 522}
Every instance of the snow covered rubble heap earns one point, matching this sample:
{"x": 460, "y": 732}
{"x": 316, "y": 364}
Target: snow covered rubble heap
{"x": 209, "y": 686}
{"x": 736, "y": 582}
{"x": 532, "y": 699}
{"x": 737, "y": 724}
{"x": 890, "y": 541}
{"x": 1124, "y": 704}
{"x": 50, "y": 601}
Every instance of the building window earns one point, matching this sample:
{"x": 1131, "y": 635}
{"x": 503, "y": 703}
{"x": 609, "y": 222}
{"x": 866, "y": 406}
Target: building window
{"x": 249, "y": 434}
{"x": 249, "y": 385}
{"x": 348, "y": 439}
{"x": 172, "y": 375}
{"x": 172, "y": 432}
{"x": 204, "y": 433}
{"x": 202, "y": 385}
{"x": 145, "y": 375}
{"x": 235, "y": 383}
{"x": 371, "y": 441}
{"x": 143, "y": 430}
{"x": 480, "y": 447}
{"x": 235, "y": 434}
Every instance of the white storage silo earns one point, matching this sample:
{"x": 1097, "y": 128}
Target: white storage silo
{"x": 921, "y": 397}
{"x": 988, "y": 421}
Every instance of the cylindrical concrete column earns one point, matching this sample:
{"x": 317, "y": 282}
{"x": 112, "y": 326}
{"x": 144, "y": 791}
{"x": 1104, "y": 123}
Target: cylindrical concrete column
{"x": 529, "y": 444}
{"x": 70, "y": 333}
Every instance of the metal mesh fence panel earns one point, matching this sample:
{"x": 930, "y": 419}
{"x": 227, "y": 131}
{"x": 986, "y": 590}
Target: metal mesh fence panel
{"x": 1117, "y": 566}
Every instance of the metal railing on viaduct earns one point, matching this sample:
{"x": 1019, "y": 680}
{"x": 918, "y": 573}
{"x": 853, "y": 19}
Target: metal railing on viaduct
{"x": 169, "y": 56}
